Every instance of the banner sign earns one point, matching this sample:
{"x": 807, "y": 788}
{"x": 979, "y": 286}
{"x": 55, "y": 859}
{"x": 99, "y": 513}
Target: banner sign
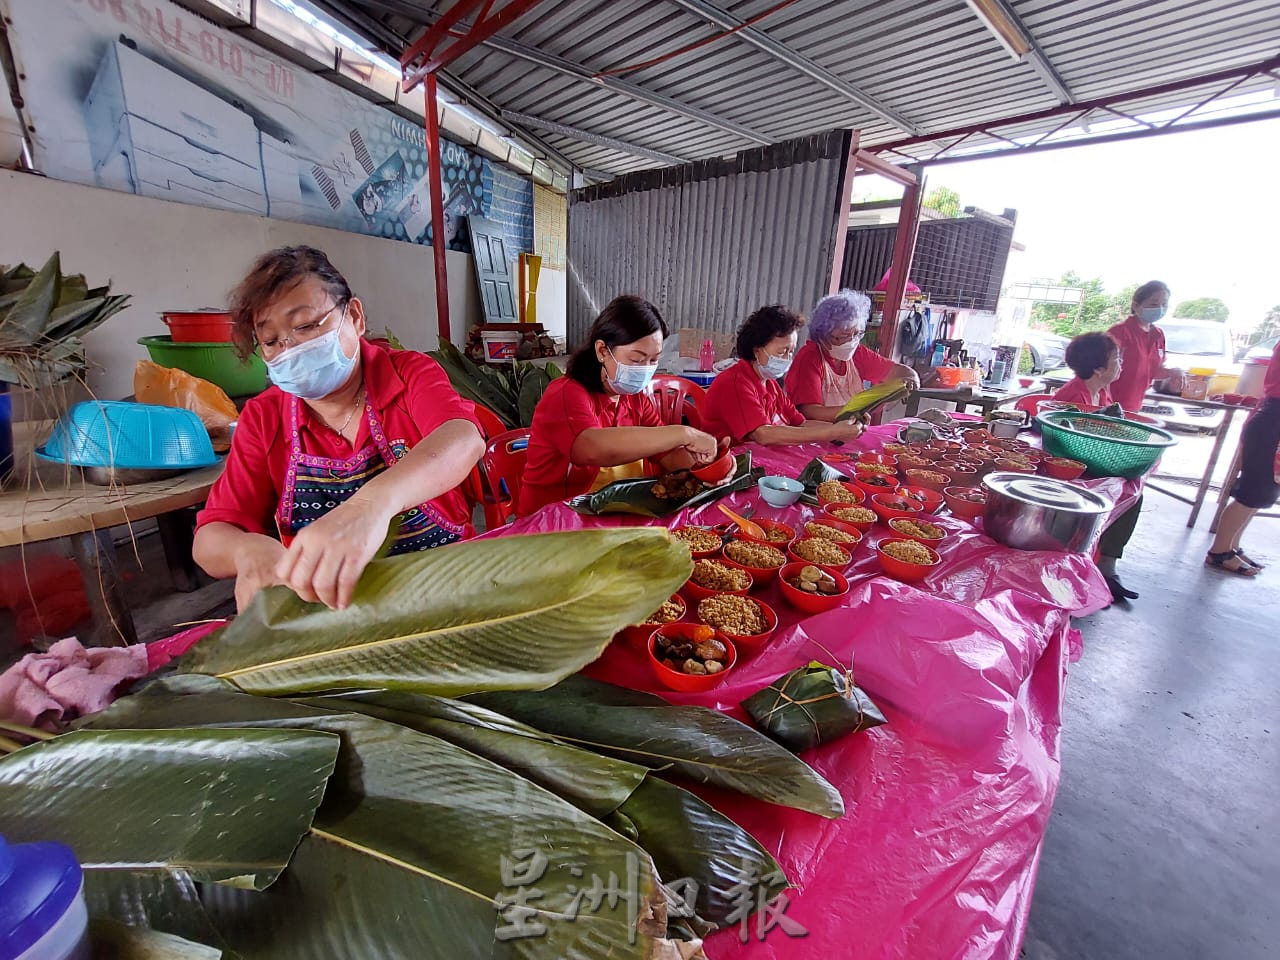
{"x": 145, "y": 97}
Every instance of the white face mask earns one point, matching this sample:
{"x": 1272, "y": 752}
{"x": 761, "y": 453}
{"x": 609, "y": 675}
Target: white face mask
{"x": 843, "y": 351}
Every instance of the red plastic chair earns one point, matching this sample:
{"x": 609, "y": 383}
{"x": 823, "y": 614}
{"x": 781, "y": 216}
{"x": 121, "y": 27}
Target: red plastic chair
{"x": 474, "y": 488}
{"x": 503, "y": 467}
{"x": 678, "y": 400}
{"x": 1028, "y": 404}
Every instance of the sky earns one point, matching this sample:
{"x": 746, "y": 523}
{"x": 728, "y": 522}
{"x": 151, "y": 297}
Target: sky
{"x": 1199, "y": 210}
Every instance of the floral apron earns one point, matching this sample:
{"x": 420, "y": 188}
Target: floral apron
{"x": 316, "y": 485}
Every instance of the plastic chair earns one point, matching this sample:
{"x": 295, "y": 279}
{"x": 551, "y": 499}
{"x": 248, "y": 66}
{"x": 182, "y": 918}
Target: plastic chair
{"x": 503, "y": 467}
{"x": 678, "y": 400}
{"x": 474, "y": 488}
{"x": 1028, "y": 404}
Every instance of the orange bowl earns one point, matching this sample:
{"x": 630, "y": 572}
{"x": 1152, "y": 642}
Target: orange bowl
{"x": 861, "y": 526}
{"x": 752, "y": 640}
{"x": 1062, "y": 468}
{"x": 965, "y": 509}
{"x": 766, "y": 526}
{"x": 866, "y": 484}
{"x": 930, "y": 500}
{"x": 811, "y": 602}
{"x": 829, "y": 567}
{"x": 698, "y": 593}
{"x": 871, "y": 469}
{"x": 859, "y": 494}
{"x": 902, "y": 569}
{"x": 835, "y": 523}
{"x": 894, "y": 525}
{"x": 922, "y": 478}
{"x": 678, "y": 680}
{"x": 890, "y": 506}
{"x": 1015, "y": 466}
{"x": 638, "y": 636}
{"x": 950, "y": 376}
{"x": 717, "y": 470}
{"x": 759, "y": 575}
{"x": 705, "y": 554}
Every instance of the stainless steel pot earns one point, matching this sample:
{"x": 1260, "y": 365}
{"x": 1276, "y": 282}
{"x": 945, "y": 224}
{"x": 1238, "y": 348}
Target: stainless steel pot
{"x": 1040, "y": 513}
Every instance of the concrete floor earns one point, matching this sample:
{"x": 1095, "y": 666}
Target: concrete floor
{"x": 1165, "y": 837}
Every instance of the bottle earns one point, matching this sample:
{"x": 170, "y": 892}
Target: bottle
{"x": 42, "y": 908}
{"x": 707, "y": 356}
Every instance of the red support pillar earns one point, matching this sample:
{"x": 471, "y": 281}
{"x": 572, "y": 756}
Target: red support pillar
{"x": 438, "y": 242}
{"x": 904, "y": 246}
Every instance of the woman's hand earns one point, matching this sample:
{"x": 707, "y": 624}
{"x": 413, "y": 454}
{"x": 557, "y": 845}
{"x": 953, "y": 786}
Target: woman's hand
{"x": 849, "y": 429}
{"x": 255, "y": 564}
{"x": 701, "y": 446}
{"x": 326, "y": 558}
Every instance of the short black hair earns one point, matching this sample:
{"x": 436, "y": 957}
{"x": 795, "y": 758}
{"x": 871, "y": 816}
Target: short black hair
{"x": 1148, "y": 288}
{"x": 1089, "y": 353}
{"x": 767, "y": 323}
{"x": 273, "y": 275}
{"x": 624, "y": 320}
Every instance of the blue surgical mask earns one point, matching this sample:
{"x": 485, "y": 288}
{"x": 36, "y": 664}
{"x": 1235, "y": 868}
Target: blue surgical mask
{"x": 313, "y": 369}
{"x": 775, "y": 367}
{"x": 1151, "y": 314}
{"x": 631, "y": 377}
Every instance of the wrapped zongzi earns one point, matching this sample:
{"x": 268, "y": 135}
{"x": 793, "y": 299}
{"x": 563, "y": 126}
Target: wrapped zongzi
{"x": 811, "y": 705}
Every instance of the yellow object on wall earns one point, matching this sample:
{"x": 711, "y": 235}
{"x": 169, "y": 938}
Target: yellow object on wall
{"x": 530, "y": 267}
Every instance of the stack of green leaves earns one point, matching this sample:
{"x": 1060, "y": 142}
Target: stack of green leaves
{"x": 511, "y": 393}
{"x": 312, "y": 785}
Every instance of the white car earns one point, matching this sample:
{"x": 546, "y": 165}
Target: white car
{"x": 1194, "y": 343}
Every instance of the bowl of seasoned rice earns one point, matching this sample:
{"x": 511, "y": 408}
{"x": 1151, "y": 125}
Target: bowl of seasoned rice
{"x": 703, "y": 542}
{"x": 746, "y": 622}
{"x": 712, "y": 577}
{"x": 840, "y": 491}
{"x": 823, "y": 552}
{"x": 761, "y": 560}
{"x": 863, "y": 518}
{"x": 671, "y": 611}
{"x": 906, "y": 560}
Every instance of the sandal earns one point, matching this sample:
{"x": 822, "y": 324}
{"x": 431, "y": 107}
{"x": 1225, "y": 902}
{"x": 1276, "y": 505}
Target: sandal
{"x": 1219, "y": 561}
{"x": 1247, "y": 559}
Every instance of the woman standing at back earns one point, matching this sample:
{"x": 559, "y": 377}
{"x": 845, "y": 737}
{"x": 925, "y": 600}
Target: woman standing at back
{"x": 1142, "y": 347}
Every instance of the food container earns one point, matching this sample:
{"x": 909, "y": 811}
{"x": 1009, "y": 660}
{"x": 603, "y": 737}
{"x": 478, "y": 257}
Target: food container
{"x": 1062, "y": 468}
{"x": 42, "y": 907}
{"x": 891, "y": 505}
{"x": 873, "y": 484}
{"x": 811, "y": 602}
{"x": 697, "y": 592}
{"x": 748, "y": 641}
{"x": 928, "y": 479}
{"x": 638, "y": 636}
{"x": 904, "y": 570}
{"x": 199, "y": 326}
{"x": 859, "y": 495}
{"x": 957, "y": 499}
{"x": 1195, "y": 386}
{"x": 1253, "y": 376}
{"x": 1041, "y": 513}
{"x": 216, "y": 362}
{"x": 707, "y": 554}
{"x": 896, "y": 526}
{"x": 779, "y": 491}
{"x": 829, "y": 567}
{"x": 770, "y": 526}
{"x": 861, "y": 526}
{"x": 835, "y": 523}
{"x": 931, "y": 500}
{"x": 718, "y": 470}
{"x": 759, "y": 575}
{"x": 687, "y": 682}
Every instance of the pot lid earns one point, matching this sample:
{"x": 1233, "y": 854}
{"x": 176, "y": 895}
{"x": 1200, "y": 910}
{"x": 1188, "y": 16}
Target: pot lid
{"x": 1047, "y": 492}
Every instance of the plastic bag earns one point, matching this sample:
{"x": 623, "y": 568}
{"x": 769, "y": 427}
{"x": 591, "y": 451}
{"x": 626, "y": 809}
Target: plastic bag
{"x": 170, "y": 387}
{"x": 810, "y": 705}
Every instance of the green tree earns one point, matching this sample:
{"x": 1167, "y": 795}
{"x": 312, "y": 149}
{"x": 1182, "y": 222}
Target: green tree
{"x": 1202, "y": 308}
{"x": 1268, "y": 327}
{"x": 1097, "y": 309}
{"x": 943, "y": 200}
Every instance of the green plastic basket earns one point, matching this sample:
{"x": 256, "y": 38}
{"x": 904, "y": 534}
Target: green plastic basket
{"x": 215, "y": 362}
{"x": 1107, "y": 446}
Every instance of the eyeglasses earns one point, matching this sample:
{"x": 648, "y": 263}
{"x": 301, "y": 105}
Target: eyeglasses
{"x": 299, "y": 334}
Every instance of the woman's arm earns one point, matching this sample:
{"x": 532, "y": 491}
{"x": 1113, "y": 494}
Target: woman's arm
{"x": 816, "y": 411}
{"x": 613, "y": 446}
{"x": 901, "y": 371}
{"x": 811, "y": 431}
{"x": 326, "y": 558}
{"x": 224, "y": 550}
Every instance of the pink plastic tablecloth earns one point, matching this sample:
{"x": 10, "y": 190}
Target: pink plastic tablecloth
{"x": 947, "y": 804}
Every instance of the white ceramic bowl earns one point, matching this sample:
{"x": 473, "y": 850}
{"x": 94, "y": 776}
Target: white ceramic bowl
{"x": 779, "y": 491}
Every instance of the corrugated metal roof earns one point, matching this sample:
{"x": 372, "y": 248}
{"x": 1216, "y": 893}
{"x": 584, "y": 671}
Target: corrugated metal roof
{"x": 933, "y": 63}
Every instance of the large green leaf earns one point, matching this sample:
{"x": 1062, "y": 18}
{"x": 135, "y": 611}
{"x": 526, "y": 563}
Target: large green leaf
{"x": 687, "y": 838}
{"x": 166, "y": 902}
{"x": 703, "y": 745}
{"x": 636, "y": 496}
{"x": 224, "y": 805}
{"x": 506, "y": 613}
{"x": 78, "y": 318}
{"x": 405, "y": 855}
{"x": 27, "y": 319}
{"x": 532, "y": 388}
{"x": 477, "y": 383}
{"x": 115, "y": 941}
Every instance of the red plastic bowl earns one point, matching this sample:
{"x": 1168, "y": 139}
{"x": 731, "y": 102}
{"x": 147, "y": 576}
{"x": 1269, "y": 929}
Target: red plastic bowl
{"x": 1014, "y": 466}
{"x": 884, "y": 459}
{"x": 717, "y": 470}
{"x": 829, "y": 567}
{"x": 965, "y": 477}
{"x": 835, "y": 523}
{"x": 865, "y": 469}
{"x": 862, "y": 527}
{"x": 887, "y": 507}
{"x": 964, "y": 509}
{"x": 1062, "y": 468}
{"x": 697, "y": 593}
{"x": 859, "y": 494}
{"x": 759, "y": 575}
{"x": 919, "y": 478}
{"x": 901, "y": 569}
{"x": 811, "y": 602}
{"x": 753, "y": 640}
{"x": 638, "y": 635}
{"x": 706, "y": 554}
{"x": 199, "y": 326}
{"x": 768, "y": 525}
{"x": 688, "y": 682}
{"x": 931, "y": 500}
{"x": 872, "y": 489}
{"x": 927, "y": 541}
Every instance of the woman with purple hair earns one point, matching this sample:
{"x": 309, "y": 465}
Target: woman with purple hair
{"x": 831, "y": 367}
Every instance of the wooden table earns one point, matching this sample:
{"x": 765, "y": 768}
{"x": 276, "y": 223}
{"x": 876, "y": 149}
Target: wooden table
{"x": 1229, "y": 411}
{"x": 964, "y": 396}
{"x": 48, "y": 501}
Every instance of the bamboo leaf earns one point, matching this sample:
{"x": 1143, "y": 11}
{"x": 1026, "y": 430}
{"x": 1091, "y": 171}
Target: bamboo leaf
{"x": 500, "y": 614}
{"x": 166, "y": 902}
{"x": 636, "y": 496}
{"x": 531, "y": 391}
{"x": 73, "y": 290}
{"x": 693, "y": 742}
{"x": 27, "y": 319}
{"x": 223, "y": 805}
{"x": 115, "y": 941}
{"x": 77, "y": 319}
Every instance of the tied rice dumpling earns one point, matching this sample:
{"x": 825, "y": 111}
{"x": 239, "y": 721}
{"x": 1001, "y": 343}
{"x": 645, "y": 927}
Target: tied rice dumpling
{"x": 811, "y": 705}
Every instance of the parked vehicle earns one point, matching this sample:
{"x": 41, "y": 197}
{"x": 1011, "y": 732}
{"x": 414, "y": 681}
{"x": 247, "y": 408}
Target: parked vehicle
{"x": 1194, "y": 343}
{"x": 1048, "y": 350}
{"x": 1261, "y": 350}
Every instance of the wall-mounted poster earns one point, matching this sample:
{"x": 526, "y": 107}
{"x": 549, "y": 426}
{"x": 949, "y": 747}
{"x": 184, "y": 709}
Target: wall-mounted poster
{"x": 145, "y": 97}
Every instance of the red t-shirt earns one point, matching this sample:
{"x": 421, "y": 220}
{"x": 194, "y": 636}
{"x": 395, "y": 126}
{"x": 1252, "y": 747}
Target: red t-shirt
{"x": 804, "y": 379}
{"x": 565, "y": 410}
{"x": 409, "y": 392}
{"x": 1078, "y": 392}
{"x": 1142, "y": 359}
{"x": 1271, "y": 385}
{"x": 739, "y": 401}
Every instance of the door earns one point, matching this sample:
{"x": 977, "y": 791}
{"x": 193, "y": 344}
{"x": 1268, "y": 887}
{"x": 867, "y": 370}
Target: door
{"x": 493, "y": 271}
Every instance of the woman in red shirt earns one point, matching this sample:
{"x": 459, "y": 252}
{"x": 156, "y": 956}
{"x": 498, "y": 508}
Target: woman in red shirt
{"x": 598, "y": 423}
{"x": 831, "y": 367}
{"x": 1255, "y": 489}
{"x": 1142, "y": 345}
{"x": 349, "y": 438}
{"x": 747, "y": 402}
{"x": 1095, "y": 360}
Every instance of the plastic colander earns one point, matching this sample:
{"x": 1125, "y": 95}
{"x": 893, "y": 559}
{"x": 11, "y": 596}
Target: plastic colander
{"x": 1107, "y": 446}
{"x": 119, "y": 434}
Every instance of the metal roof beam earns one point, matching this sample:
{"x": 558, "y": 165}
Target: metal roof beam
{"x": 1007, "y": 27}
{"x": 624, "y": 88}
{"x": 780, "y": 51}
{"x": 586, "y": 136}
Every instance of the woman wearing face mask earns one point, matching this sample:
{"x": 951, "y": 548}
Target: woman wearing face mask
{"x": 831, "y": 367}
{"x": 1142, "y": 344}
{"x": 349, "y": 438}
{"x": 747, "y": 402}
{"x": 597, "y": 423}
